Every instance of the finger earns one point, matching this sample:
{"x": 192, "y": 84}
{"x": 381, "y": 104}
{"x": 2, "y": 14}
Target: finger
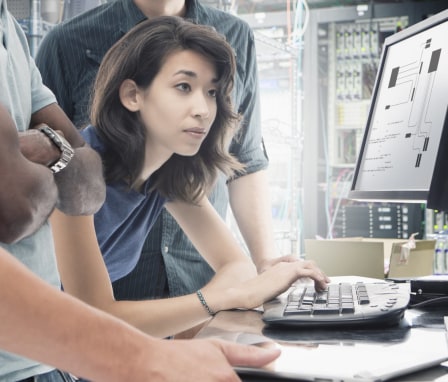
{"x": 311, "y": 264}
{"x": 290, "y": 258}
{"x": 281, "y": 259}
{"x": 310, "y": 270}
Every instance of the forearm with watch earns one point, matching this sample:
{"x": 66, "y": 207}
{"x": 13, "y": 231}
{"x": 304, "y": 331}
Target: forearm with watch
{"x": 66, "y": 152}
{"x": 73, "y": 169}
{"x": 80, "y": 184}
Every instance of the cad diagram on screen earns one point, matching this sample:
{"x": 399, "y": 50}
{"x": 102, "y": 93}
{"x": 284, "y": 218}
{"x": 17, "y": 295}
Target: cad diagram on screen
{"x": 417, "y": 78}
{"x": 409, "y": 111}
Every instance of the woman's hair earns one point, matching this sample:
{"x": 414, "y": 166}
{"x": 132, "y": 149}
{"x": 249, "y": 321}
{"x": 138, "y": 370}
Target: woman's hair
{"x": 139, "y": 56}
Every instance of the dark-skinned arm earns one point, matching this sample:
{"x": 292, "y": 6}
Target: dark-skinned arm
{"x": 81, "y": 185}
{"x": 28, "y": 194}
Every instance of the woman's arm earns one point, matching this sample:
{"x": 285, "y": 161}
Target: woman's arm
{"x": 85, "y": 276}
{"x": 212, "y": 238}
{"x": 236, "y": 284}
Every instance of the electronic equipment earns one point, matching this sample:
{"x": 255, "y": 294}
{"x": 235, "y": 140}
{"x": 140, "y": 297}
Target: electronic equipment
{"x": 403, "y": 156}
{"x": 341, "y": 304}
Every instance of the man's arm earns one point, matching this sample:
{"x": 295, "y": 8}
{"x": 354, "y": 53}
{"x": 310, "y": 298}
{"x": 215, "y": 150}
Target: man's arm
{"x": 66, "y": 333}
{"x": 249, "y": 194}
{"x": 81, "y": 185}
{"x": 55, "y": 69}
{"x": 251, "y": 206}
{"x": 28, "y": 194}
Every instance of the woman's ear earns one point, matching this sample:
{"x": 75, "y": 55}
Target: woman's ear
{"x": 129, "y": 95}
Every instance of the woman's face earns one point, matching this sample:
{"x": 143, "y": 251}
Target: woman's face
{"x": 179, "y": 106}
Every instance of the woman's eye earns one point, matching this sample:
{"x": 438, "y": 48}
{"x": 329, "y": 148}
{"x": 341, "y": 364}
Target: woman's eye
{"x": 213, "y": 93}
{"x": 184, "y": 87}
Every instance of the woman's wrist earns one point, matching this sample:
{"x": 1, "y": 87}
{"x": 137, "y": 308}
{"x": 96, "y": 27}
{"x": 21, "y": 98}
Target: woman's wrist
{"x": 223, "y": 299}
{"x": 204, "y": 303}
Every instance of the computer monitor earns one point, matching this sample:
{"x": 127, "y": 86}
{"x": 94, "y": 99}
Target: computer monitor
{"x": 404, "y": 152}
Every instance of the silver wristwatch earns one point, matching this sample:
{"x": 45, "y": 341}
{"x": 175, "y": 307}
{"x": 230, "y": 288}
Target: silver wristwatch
{"x": 62, "y": 144}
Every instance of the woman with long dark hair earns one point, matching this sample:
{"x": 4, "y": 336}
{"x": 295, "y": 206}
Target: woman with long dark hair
{"x": 162, "y": 120}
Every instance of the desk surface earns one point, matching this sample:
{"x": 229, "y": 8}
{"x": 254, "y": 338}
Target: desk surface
{"x": 240, "y": 326}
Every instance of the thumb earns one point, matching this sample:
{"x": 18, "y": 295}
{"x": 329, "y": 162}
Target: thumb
{"x": 249, "y": 355}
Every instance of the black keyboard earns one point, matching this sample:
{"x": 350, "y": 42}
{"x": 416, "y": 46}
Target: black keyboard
{"x": 358, "y": 303}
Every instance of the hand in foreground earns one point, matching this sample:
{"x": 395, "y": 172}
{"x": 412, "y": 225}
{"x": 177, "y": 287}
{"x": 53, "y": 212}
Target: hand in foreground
{"x": 210, "y": 360}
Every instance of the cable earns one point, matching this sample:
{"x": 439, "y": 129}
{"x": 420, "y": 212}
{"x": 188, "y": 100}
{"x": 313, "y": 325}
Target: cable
{"x": 346, "y": 183}
{"x": 430, "y": 301}
{"x": 299, "y": 31}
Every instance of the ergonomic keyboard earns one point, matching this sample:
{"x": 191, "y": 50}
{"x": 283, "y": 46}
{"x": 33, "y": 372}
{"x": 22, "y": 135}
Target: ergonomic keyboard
{"x": 344, "y": 303}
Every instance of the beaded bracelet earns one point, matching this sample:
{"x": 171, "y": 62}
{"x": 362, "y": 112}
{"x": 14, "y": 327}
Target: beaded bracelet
{"x": 204, "y": 303}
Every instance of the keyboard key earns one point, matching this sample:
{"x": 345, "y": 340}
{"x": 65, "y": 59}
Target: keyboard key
{"x": 337, "y": 299}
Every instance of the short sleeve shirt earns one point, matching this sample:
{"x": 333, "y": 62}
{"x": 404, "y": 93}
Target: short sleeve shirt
{"x": 22, "y": 92}
{"x": 124, "y": 219}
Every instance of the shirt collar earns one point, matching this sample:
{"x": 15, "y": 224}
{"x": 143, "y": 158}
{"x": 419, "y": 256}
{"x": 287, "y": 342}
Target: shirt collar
{"x": 134, "y": 15}
{"x": 192, "y": 10}
{"x": 197, "y": 12}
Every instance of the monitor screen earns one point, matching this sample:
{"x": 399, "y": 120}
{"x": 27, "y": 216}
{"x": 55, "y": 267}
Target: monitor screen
{"x": 404, "y": 152}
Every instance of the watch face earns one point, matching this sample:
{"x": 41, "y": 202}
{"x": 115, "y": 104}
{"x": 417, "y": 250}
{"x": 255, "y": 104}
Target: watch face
{"x": 63, "y": 145}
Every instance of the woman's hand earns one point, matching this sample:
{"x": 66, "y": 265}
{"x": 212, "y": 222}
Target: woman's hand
{"x": 257, "y": 290}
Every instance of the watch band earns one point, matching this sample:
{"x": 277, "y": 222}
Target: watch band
{"x": 63, "y": 145}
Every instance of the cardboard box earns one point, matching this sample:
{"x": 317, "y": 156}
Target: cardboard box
{"x": 376, "y": 258}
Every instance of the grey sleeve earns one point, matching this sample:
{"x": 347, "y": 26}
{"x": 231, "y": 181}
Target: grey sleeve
{"x": 248, "y": 144}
